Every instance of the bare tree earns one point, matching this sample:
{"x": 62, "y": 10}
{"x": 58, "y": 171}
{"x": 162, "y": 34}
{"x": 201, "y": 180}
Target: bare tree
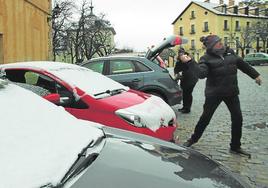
{"x": 61, "y": 13}
{"x": 89, "y": 36}
{"x": 246, "y": 38}
{"x": 97, "y": 36}
{"x": 254, "y": 2}
{"x": 261, "y": 30}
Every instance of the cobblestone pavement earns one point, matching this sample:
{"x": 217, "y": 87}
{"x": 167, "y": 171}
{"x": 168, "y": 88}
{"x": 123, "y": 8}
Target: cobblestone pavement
{"x": 215, "y": 140}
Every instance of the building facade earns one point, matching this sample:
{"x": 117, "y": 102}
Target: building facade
{"x": 226, "y": 20}
{"x": 24, "y": 30}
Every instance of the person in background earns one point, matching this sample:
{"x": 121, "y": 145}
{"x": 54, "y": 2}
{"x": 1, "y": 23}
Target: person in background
{"x": 188, "y": 79}
{"x": 219, "y": 67}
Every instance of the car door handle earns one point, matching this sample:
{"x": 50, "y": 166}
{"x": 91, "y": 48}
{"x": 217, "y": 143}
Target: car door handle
{"x": 136, "y": 80}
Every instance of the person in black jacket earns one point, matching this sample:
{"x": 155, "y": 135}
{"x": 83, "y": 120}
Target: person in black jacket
{"x": 188, "y": 80}
{"x": 220, "y": 66}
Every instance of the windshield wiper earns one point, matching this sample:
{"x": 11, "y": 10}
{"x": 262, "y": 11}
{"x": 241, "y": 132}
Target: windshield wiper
{"x": 81, "y": 163}
{"x": 111, "y": 92}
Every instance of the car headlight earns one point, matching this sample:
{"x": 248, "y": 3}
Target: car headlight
{"x": 130, "y": 118}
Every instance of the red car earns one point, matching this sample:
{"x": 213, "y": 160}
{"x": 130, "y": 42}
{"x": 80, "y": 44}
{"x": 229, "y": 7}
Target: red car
{"x": 91, "y": 96}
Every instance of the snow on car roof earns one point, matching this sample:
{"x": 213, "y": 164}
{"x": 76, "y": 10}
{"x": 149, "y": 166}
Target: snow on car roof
{"x": 89, "y": 81}
{"x": 39, "y": 141}
{"x": 45, "y": 65}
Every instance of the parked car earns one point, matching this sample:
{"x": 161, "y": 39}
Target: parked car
{"x": 91, "y": 96}
{"x": 43, "y": 146}
{"x": 144, "y": 73}
{"x": 256, "y": 58}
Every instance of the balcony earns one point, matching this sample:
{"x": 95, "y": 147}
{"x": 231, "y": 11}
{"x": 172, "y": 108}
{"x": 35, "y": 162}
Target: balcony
{"x": 205, "y": 29}
{"x": 192, "y": 17}
{"x": 238, "y": 29}
{"x": 226, "y": 29}
{"x": 192, "y": 32}
{"x": 192, "y": 47}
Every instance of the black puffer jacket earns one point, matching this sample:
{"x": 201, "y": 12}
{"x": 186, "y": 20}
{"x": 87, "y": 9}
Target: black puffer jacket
{"x": 221, "y": 73}
{"x": 189, "y": 73}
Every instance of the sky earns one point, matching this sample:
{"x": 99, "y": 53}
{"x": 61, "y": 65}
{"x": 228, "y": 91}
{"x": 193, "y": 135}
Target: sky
{"x": 140, "y": 24}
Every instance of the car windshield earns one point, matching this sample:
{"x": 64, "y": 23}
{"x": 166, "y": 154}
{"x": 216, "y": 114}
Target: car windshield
{"x": 39, "y": 141}
{"x": 91, "y": 82}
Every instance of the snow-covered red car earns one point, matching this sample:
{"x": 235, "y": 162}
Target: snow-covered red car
{"x": 91, "y": 96}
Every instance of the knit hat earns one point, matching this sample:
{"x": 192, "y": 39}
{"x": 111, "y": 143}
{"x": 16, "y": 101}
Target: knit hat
{"x": 182, "y": 51}
{"x": 210, "y": 40}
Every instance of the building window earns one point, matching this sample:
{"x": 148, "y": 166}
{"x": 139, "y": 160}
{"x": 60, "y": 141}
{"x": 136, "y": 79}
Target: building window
{"x": 192, "y": 29}
{"x": 237, "y": 26}
{"x": 206, "y": 13}
{"x": 192, "y": 15}
{"x": 181, "y": 31}
{"x": 225, "y": 41}
{"x": 192, "y": 44}
{"x": 248, "y": 24}
{"x": 225, "y": 27}
{"x": 205, "y": 27}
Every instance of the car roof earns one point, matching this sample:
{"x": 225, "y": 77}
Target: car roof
{"x": 41, "y": 65}
{"x": 258, "y": 53}
{"x": 117, "y": 56}
{"x": 39, "y": 141}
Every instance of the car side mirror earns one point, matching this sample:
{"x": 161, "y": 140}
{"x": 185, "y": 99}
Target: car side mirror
{"x": 53, "y": 97}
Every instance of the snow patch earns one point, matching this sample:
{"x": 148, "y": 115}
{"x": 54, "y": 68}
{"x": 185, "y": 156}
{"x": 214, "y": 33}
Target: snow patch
{"x": 38, "y": 140}
{"x": 154, "y": 112}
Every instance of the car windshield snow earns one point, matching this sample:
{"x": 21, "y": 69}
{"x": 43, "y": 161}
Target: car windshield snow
{"x": 91, "y": 82}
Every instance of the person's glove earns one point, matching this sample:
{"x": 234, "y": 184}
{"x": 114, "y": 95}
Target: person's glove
{"x": 258, "y": 80}
{"x": 185, "y": 58}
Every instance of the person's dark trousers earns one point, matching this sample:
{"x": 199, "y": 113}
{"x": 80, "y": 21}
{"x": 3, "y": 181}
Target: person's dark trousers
{"x": 211, "y": 104}
{"x": 187, "y": 97}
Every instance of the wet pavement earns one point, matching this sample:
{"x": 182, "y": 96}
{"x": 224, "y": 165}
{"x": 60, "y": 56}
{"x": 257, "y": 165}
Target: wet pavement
{"x": 215, "y": 140}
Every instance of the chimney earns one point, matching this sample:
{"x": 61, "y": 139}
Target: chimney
{"x": 235, "y": 9}
{"x": 231, "y": 2}
{"x": 224, "y": 9}
{"x": 247, "y": 10}
{"x": 257, "y": 12}
{"x": 221, "y": 2}
{"x": 207, "y": 1}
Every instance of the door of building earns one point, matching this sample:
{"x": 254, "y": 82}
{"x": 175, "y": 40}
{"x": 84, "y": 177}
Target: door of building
{"x": 1, "y": 49}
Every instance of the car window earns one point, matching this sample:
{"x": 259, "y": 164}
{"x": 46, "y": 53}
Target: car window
{"x": 121, "y": 67}
{"x": 140, "y": 67}
{"x": 95, "y": 66}
{"x": 46, "y": 83}
{"x": 258, "y": 55}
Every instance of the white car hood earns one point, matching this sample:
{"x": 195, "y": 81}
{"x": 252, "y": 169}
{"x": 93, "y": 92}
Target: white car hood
{"x": 38, "y": 140}
{"x": 154, "y": 112}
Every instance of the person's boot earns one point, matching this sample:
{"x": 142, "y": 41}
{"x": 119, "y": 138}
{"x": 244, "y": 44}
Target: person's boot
{"x": 240, "y": 151}
{"x": 185, "y": 111}
{"x": 188, "y": 143}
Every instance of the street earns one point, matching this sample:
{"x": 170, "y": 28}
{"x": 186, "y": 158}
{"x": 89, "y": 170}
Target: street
{"x": 215, "y": 140}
